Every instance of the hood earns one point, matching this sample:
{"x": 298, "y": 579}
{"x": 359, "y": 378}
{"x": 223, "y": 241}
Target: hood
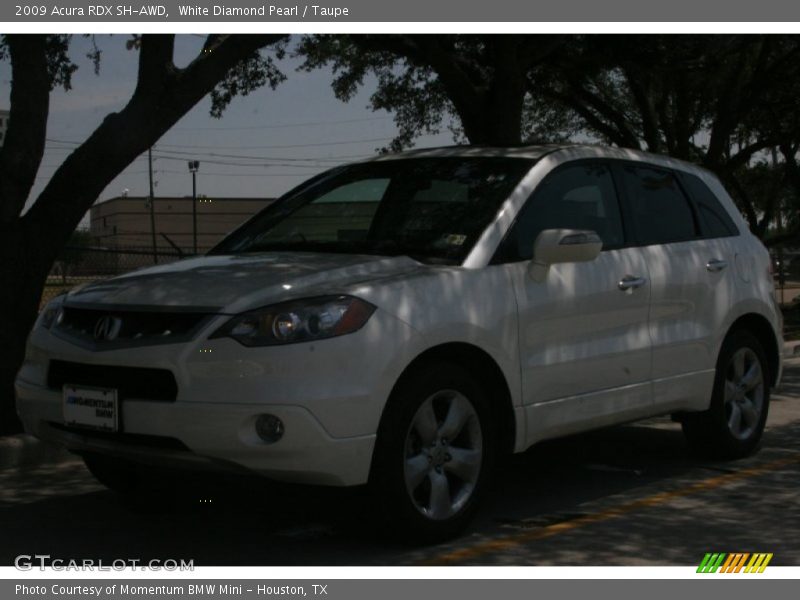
{"x": 234, "y": 283}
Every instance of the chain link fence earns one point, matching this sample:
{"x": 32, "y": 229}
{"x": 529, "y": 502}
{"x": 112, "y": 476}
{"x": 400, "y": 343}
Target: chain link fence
{"x": 786, "y": 267}
{"x": 78, "y": 265}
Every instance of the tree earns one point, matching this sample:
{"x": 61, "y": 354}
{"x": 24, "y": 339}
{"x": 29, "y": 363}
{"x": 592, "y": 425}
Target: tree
{"x": 722, "y": 101}
{"x": 424, "y": 79}
{"x": 30, "y": 241}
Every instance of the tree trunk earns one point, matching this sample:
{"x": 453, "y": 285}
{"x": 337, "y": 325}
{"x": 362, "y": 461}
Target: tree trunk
{"x": 499, "y": 125}
{"x": 494, "y": 116}
{"x": 29, "y": 244}
{"x": 21, "y": 279}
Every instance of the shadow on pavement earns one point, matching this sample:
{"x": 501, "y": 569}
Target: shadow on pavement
{"x": 49, "y": 504}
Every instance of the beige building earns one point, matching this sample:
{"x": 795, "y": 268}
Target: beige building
{"x": 125, "y": 221}
{"x": 3, "y": 125}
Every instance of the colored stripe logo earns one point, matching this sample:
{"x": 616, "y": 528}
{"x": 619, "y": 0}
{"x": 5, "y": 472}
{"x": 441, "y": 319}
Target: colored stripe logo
{"x": 735, "y": 562}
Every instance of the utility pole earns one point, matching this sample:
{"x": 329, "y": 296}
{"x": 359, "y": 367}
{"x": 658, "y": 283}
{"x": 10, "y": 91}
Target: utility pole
{"x": 194, "y": 165}
{"x": 152, "y": 205}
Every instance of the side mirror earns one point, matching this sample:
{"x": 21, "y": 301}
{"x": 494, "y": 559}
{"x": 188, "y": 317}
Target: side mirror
{"x": 553, "y": 246}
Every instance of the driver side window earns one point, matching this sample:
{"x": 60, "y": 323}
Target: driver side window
{"x": 580, "y": 196}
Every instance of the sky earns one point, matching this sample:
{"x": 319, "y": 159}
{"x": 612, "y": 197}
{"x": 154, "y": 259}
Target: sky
{"x": 287, "y": 135}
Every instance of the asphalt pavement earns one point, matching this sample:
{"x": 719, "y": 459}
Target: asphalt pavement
{"x": 628, "y": 495}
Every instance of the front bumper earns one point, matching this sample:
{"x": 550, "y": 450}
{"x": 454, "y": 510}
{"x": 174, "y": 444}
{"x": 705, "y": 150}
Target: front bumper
{"x": 330, "y": 396}
{"x": 203, "y": 436}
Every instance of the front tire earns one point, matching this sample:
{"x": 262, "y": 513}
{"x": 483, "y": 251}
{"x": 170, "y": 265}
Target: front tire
{"x": 434, "y": 452}
{"x": 733, "y": 425}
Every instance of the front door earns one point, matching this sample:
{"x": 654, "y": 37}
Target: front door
{"x": 583, "y": 330}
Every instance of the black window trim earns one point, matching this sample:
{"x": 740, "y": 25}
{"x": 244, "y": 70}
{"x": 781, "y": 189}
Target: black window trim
{"x": 704, "y": 233}
{"x": 500, "y": 255}
{"x": 617, "y": 165}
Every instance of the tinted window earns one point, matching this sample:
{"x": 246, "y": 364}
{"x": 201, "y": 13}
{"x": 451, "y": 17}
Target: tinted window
{"x": 660, "y": 212}
{"x": 433, "y": 209}
{"x": 715, "y": 220}
{"x": 574, "y": 197}
{"x": 344, "y": 213}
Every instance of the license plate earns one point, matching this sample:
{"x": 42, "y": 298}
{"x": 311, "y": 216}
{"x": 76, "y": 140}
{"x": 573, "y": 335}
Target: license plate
{"x": 94, "y": 408}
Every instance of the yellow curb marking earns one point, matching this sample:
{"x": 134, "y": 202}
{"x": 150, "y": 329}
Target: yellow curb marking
{"x": 504, "y": 543}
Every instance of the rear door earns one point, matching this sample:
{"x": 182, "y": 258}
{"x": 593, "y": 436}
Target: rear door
{"x": 691, "y": 279}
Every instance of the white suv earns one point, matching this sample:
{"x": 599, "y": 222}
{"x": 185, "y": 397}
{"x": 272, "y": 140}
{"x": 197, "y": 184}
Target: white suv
{"x": 406, "y": 320}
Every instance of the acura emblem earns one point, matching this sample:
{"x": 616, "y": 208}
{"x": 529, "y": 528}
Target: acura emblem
{"x": 107, "y": 328}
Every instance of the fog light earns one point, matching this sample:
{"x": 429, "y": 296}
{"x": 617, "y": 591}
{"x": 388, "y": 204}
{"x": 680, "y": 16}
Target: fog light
{"x": 269, "y": 428}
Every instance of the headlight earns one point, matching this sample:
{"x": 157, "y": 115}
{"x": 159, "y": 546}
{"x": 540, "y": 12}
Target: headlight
{"x": 52, "y": 313}
{"x": 298, "y": 321}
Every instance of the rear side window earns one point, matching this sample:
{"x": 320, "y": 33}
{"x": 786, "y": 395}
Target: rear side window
{"x": 714, "y": 219}
{"x": 580, "y": 196}
{"x": 660, "y": 212}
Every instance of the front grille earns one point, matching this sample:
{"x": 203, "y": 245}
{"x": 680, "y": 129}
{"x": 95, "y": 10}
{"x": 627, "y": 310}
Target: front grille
{"x": 125, "y": 328}
{"x": 130, "y": 439}
{"x": 130, "y": 382}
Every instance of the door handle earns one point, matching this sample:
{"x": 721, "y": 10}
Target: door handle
{"x": 629, "y": 282}
{"x": 716, "y": 265}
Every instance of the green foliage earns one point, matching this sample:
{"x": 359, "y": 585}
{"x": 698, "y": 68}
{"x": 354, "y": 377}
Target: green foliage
{"x": 248, "y": 75}
{"x": 727, "y": 102}
{"x": 60, "y": 66}
{"x": 411, "y": 92}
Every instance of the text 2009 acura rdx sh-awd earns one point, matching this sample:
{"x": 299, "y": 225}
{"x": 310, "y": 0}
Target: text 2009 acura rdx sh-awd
{"x": 406, "y": 321}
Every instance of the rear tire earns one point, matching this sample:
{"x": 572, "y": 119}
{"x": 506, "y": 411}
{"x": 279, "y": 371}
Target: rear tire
{"x": 434, "y": 453}
{"x": 733, "y": 425}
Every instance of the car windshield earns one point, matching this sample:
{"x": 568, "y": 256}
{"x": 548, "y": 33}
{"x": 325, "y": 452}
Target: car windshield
{"x": 432, "y": 209}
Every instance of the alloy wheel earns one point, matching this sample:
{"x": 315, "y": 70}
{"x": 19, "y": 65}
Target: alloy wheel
{"x": 744, "y": 393}
{"x": 443, "y": 454}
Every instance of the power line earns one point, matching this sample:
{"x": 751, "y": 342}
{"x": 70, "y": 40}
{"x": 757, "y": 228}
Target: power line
{"x": 221, "y": 174}
{"x": 259, "y": 165}
{"x": 221, "y": 155}
{"x": 218, "y": 173}
{"x": 314, "y": 145}
{"x": 246, "y": 156}
{"x": 322, "y": 162}
{"x": 230, "y": 163}
{"x": 284, "y": 126}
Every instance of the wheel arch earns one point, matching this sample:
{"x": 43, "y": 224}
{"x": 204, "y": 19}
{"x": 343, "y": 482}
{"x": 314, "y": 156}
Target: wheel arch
{"x": 761, "y": 328}
{"x": 481, "y": 364}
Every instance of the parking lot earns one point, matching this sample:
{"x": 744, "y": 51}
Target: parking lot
{"x": 630, "y": 495}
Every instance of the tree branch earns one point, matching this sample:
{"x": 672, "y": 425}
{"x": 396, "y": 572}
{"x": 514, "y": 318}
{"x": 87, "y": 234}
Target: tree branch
{"x": 731, "y": 100}
{"x": 582, "y": 98}
{"x": 162, "y": 96}
{"x": 611, "y": 133}
{"x": 23, "y": 147}
{"x": 743, "y": 156}
{"x": 746, "y": 204}
{"x": 155, "y": 62}
{"x": 643, "y": 95}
